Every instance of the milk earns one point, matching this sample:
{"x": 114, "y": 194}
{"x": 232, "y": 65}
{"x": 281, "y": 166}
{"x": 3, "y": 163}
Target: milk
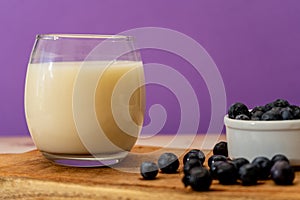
{"x": 56, "y": 101}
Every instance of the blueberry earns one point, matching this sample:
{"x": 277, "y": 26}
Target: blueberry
{"x": 199, "y": 179}
{"x": 279, "y": 157}
{"x": 276, "y": 110}
{"x": 282, "y": 173}
{"x": 242, "y": 117}
{"x": 221, "y": 149}
{"x": 273, "y": 114}
{"x": 226, "y": 173}
{"x": 239, "y": 162}
{"x": 215, "y": 158}
{"x": 237, "y": 109}
{"x": 258, "y": 108}
{"x": 287, "y": 113}
{"x": 256, "y": 115}
{"x": 168, "y": 163}
{"x": 148, "y": 170}
{"x": 257, "y": 112}
{"x": 281, "y": 103}
{"x": 269, "y": 106}
{"x": 191, "y": 163}
{"x": 194, "y": 153}
{"x": 214, "y": 168}
{"x": 277, "y": 103}
{"x": 263, "y": 165}
{"x": 296, "y": 111}
{"x": 248, "y": 174}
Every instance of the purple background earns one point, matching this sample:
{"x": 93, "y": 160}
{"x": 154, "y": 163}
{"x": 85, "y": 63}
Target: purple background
{"x": 255, "y": 44}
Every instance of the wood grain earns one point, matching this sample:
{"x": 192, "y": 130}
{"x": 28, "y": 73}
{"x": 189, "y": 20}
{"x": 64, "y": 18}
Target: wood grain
{"x": 31, "y": 176}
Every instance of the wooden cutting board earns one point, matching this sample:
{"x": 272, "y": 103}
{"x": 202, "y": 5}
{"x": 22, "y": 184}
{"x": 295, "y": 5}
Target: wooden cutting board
{"x": 31, "y": 176}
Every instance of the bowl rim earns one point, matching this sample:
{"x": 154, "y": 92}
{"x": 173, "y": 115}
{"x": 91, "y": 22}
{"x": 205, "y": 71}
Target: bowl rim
{"x": 262, "y": 125}
{"x": 56, "y": 36}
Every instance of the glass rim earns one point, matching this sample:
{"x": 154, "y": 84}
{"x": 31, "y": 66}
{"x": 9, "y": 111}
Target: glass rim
{"x": 81, "y": 36}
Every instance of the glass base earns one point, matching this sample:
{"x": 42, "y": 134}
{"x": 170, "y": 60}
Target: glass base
{"x": 97, "y": 160}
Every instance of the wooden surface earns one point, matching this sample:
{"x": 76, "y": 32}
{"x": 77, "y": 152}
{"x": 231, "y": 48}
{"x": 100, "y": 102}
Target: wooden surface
{"x": 30, "y": 176}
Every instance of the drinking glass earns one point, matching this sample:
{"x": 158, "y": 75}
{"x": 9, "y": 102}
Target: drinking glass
{"x": 84, "y": 98}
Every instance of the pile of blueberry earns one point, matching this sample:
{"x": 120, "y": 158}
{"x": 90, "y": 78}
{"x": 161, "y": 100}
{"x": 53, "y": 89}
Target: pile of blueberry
{"x": 279, "y": 109}
{"x": 221, "y": 168}
{"x": 240, "y": 170}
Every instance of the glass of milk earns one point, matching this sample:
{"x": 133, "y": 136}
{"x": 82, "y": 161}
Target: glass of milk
{"x": 84, "y": 98}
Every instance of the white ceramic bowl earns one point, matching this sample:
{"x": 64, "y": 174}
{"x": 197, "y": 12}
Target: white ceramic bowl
{"x": 249, "y": 139}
